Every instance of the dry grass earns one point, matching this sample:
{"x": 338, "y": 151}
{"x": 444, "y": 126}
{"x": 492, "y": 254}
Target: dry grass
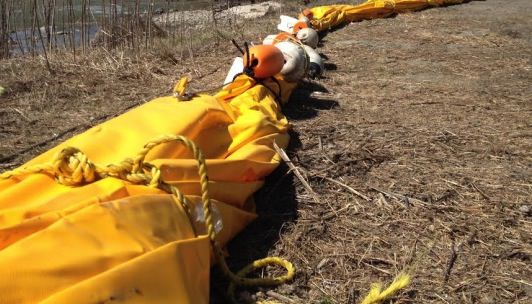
{"x": 426, "y": 115}
{"x": 46, "y": 27}
{"x": 39, "y": 108}
{"x": 84, "y": 91}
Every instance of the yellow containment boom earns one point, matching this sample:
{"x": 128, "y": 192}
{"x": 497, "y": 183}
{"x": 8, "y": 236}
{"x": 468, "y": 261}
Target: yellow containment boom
{"x": 111, "y": 240}
{"x": 330, "y": 16}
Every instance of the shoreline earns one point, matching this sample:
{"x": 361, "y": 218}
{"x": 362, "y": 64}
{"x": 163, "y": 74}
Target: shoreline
{"x": 28, "y": 41}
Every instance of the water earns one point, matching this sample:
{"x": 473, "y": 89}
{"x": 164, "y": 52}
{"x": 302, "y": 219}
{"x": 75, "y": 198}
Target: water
{"x": 23, "y": 9}
{"x": 67, "y": 19}
{"x": 27, "y": 41}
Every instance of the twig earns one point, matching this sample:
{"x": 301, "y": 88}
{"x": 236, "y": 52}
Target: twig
{"x": 324, "y": 292}
{"x": 39, "y": 144}
{"x": 293, "y": 168}
{"x": 407, "y": 200}
{"x": 514, "y": 280}
{"x": 368, "y": 249}
{"x": 450, "y": 263}
{"x": 8, "y": 165}
{"x": 349, "y": 188}
{"x": 377, "y": 268}
{"x": 373, "y": 260}
{"x": 331, "y": 215}
{"x": 484, "y": 195}
{"x": 455, "y": 249}
{"x": 382, "y": 200}
{"x": 21, "y": 113}
{"x": 412, "y": 253}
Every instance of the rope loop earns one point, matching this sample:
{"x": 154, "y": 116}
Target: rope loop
{"x": 241, "y": 279}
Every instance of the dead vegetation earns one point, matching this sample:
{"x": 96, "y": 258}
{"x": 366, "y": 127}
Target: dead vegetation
{"x": 46, "y": 27}
{"x": 416, "y": 144}
{"x": 419, "y": 151}
{"x": 48, "y": 98}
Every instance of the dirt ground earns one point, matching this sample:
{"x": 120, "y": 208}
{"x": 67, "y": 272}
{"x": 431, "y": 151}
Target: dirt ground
{"x": 417, "y": 144}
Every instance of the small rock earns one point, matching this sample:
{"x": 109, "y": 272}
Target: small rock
{"x": 2, "y": 90}
{"x": 525, "y": 209}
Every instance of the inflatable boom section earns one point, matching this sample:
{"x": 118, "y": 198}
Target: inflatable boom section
{"x": 331, "y": 16}
{"x": 112, "y": 240}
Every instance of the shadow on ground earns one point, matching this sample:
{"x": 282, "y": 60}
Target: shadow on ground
{"x": 276, "y": 201}
{"x": 307, "y": 100}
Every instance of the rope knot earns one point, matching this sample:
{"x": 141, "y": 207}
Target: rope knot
{"x": 120, "y": 170}
{"x": 72, "y": 167}
{"x": 149, "y": 176}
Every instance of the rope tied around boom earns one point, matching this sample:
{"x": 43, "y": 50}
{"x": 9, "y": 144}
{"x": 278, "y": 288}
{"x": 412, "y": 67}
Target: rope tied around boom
{"x": 71, "y": 167}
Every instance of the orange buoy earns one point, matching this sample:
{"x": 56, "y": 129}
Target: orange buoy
{"x": 263, "y": 61}
{"x": 298, "y": 26}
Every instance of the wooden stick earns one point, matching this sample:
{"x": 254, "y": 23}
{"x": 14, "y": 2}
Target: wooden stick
{"x": 293, "y": 168}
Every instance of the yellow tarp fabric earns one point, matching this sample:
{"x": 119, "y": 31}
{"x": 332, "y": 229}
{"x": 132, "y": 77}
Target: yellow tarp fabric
{"x": 111, "y": 241}
{"x": 330, "y": 16}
